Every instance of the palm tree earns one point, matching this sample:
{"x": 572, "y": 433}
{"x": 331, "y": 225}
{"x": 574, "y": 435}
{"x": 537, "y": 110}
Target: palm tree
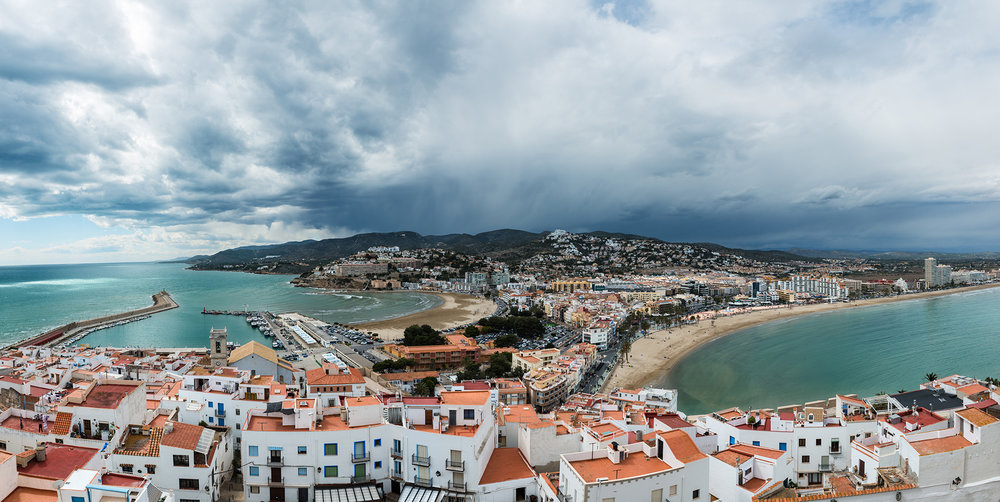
{"x": 931, "y": 376}
{"x": 626, "y": 347}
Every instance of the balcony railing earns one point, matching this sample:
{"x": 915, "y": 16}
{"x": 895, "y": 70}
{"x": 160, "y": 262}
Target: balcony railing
{"x": 454, "y": 466}
{"x": 357, "y": 457}
{"x": 835, "y": 448}
{"x": 364, "y": 478}
{"x": 396, "y": 474}
{"x": 423, "y": 481}
{"x": 275, "y": 460}
{"x": 396, "y": 453}
{"x": 220, "y": 412}
{"x": 456, "y": 487}
{"x": 825, "y": 467}
{"x": 422, "y": 461}
{"x": 279, "y": 481}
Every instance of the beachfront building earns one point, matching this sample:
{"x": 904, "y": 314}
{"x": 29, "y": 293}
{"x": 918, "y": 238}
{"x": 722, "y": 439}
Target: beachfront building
{"x": 669, "y": 467}
{"x": 455, "y": 353}
{"x": 647, "y": 397}
{"x": 599, "y": 333}
{"x": 936, "y": 275}
{"x": 187, "y": 460}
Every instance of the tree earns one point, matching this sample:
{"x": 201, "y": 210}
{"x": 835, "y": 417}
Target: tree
{"x": 422, "y": 335}
{"x": 505, "y": 341}
{"x": 471, "y": 331}
{"x": 500, "y": 364}
{"x": 425, "y": 387}
{"x": 931, "y": 376}
{"x": 626, "y": 347}
{"x": 471, "y": 371}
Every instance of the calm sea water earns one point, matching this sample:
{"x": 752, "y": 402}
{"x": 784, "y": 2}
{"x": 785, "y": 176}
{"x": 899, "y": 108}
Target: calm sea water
{"x": 34, "y": 299}
{"x": 863, "y": 351}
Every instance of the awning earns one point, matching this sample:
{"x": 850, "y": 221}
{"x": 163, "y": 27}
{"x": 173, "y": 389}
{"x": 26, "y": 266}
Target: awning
{"x": 414, "y": 493}
{"x": 359, "y": 493}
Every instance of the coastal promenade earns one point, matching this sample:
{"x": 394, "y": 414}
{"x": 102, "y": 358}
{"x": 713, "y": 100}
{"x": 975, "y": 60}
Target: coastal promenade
{"x": 161, "y": 302}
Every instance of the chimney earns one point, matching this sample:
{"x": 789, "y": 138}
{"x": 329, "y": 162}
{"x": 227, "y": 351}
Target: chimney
{"x": 168, "y": 428}
{"x": 40, "y": 452}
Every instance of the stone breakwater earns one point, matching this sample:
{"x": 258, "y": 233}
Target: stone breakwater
{"x": 161, "y": 302}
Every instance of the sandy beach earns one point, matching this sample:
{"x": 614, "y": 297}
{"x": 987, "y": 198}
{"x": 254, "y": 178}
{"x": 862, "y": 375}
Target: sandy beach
{"x": 655, "y": 354}
{"x": 455, "y": 310}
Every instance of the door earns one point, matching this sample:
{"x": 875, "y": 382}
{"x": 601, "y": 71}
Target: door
{"x": 452, "y": 417}
{"x": 276, "y": 475}
{"x": 303, "y": 495}
{"x": 428, "y": 417}
{"x": 861, "y": 468}
{"x": 359, "y": 472}
{"x": 519, "y": 494}
{"x": 86, "y": 428}
{"x": 277, "y": 494}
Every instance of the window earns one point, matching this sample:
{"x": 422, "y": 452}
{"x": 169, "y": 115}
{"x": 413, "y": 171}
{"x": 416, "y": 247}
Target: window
{"x": 150, "y": 469}
{"x": 673, "y": 490}
{"x": 330, "y": 471}
{"x": 210, "y": 405}
{"x": 3, "y": 445}
{"x": 377, "y": 442}
{"x": 237, "y": 425}
{"x": 695, "y": 494}
{"x": 188, "y": 484}
{"x": 330, "y": 449}
{"x": 211, "y": 420}
{"x": 805, "y": 459}
{"x": 819, "y": 442}
{"x": 237, "y": 411}
{"x": 469, "y": 414}
{"x": 254, "y": 470}
{"x": 127, "y": 468}
{"x": 302, "y": 450}
{"x": 732, "y": 440}
{"x": 802, "y": 443}
{"x": 756, "y": 443}
{"x": 254, "y": 489}
{"x": 656, "y": 495}
{"x": 182, "y": 460}
{"x": 303, "y": 471}
{"x": 378, "y": 464}
{"x": 252, "y": 451}
{"x": 783, "y": 446}
{"x": 77, "y": 499}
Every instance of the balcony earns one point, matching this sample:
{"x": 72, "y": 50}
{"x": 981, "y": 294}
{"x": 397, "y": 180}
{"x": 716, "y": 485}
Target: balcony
{"x": 275, "y": 460}
{"x": 456, "y": 487}
{"x": 364, "y": 478}
{"x": 359, "y": 457}
{"x": 396, "y": 453}
{"x": 396, "y": 474}
{"x": 280, "y": 481}
{"x": 825, "y": 467}
{"x": 454, "y": 466}
{"x": 423, "y": 481}
{"x": 835, "y": 448}
{"x": 421, "y": 461}
{"x": 220, "y": 412}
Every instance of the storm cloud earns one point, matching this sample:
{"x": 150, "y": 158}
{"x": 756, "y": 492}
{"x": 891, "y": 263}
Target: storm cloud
{"x": 190, "y": 127}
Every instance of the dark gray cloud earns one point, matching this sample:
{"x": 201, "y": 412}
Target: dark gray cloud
{"x": 798, "y": 124}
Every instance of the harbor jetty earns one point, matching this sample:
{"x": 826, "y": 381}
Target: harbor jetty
{"x": 78, "y": 329}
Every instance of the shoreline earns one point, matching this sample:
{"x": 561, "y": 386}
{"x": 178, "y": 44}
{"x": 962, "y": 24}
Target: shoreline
{"x": 454, "y": 310}
{"x": 662, "y": 350}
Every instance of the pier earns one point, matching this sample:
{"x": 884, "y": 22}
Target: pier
{"x": 161, "y": 302}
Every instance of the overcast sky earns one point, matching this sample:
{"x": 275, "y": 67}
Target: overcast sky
{"x": 140, "y": 131}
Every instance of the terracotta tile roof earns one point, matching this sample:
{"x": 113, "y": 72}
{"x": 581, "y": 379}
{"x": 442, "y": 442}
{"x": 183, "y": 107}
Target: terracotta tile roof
{"x": 975, "y": 388}
{"x": 939, "y": 445}
{"x": 634, "y": 464}
{"x": 184, "y": 436}
{"x": 478, "y": 397}
{"x": 977, "y": 417}
{"x": 63, "y": 423}
{"x": 506, "y": 464}
{"x": 318, "y": 376}
{"x": 730, "y": 457}
{"x": 682, "y": 446}
{"x": 759, "y": 451}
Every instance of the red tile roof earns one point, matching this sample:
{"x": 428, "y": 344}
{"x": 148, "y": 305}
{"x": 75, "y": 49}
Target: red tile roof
{"x": 506, "y": 464}
{"x": 184, "y": 436}
{"x": 682, "y": 446}
{"x": 939, "y": 445}
{"x": 60, "y": 461}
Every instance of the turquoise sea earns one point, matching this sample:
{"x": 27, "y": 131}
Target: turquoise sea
{"x": 865, "y": 350}
{"x": 36, "y": 298}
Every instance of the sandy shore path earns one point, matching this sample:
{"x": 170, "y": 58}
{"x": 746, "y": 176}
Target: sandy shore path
{"x": 455, "y": 310}
{"x": 657, "y": 353}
